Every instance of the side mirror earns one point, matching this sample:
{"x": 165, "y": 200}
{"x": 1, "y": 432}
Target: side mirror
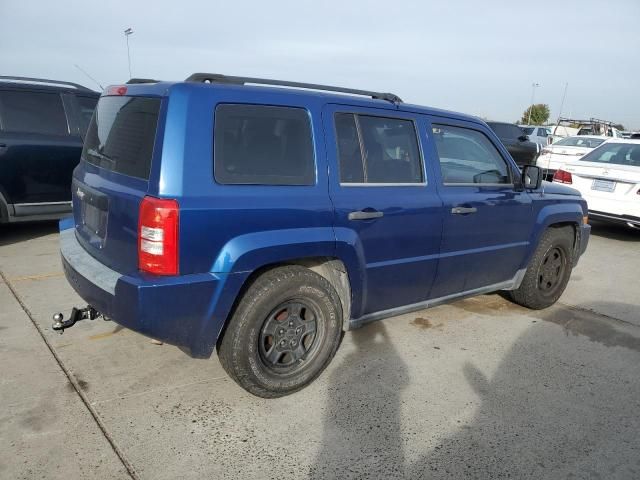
{"x": 523, "y": 138}
{"x": 531, "y": 177}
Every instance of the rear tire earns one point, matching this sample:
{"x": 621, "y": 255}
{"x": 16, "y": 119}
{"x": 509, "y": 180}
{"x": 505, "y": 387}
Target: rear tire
{"x": 283, "y": 333}
{"x": 549, "y": 270}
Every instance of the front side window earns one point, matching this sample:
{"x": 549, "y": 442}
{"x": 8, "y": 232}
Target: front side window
{"x": 377, "y": 150}
{"x": 616, "y": 154}
{"x": 33, "y": 112}
{"x": 467, "y": 157}
{"x": 263, "y": 145}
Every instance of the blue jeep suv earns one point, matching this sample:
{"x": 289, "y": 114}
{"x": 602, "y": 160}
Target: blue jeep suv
{"x": 260, "y": 220}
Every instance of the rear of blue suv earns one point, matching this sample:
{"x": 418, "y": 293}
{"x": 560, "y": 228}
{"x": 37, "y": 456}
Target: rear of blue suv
{"x": 261, "y": 222}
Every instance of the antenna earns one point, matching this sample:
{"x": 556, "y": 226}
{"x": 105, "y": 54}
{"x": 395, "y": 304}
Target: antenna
{"x": 89, "y": 76}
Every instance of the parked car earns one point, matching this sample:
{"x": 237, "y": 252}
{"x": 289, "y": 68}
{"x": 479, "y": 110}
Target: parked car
{"x": 609, "y": 180}
{"x": 555, "y": 156}
{"x": 42, "y": 124}
{"x": 523, "y": 151}
{"x": 537, "y": 134}
{"x": 214, "y": 214}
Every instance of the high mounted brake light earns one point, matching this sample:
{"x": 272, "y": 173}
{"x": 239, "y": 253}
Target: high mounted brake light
{"x": 158, "y": 236}
{"x": 116, "y": 90}
{"x": 562, "y": 176}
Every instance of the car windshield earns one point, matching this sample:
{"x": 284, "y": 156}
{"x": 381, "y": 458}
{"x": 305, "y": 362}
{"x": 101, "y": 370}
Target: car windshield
{"x": 615, "y": 154}
{"x": 580, "y": 142}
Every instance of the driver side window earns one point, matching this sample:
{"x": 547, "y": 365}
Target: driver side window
{"x": 467, "y": 157}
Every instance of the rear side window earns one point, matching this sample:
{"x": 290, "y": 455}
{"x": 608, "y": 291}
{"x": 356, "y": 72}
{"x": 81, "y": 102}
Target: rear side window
{"x": 263, "y": 145}
{"x": 86, "y": 106}
{"x": 467, "y": 157}
{"x": 33, "y": 112}
{"x": 374, "y": 149}
{"x": 121, "y": 135}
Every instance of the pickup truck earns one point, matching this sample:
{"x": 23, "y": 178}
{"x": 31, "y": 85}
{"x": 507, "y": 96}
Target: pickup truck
{"x": 262, "y": 218}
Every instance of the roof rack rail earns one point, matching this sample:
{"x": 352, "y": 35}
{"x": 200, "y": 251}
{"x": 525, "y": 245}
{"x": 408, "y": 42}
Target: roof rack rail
{"x": 45, "y": 80}
{"x": 218, "y": 78}
{"x": 141, "y": 80}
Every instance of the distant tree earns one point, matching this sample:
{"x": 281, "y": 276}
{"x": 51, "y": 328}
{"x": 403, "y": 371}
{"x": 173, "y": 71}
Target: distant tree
{"x": 539, "y": 115}
{"x": 619, "y": 126}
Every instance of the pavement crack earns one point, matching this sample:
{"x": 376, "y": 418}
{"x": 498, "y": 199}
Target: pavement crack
{"x": 72, "y": 381}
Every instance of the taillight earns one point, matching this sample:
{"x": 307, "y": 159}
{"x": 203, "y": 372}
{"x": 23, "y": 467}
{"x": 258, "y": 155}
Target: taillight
{"x": 158, "y": 236}
{"x": 562, "y": 176}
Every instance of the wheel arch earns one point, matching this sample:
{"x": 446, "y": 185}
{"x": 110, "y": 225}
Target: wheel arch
{"x": 556, "y": 216}
{"x": 330, "y": 268}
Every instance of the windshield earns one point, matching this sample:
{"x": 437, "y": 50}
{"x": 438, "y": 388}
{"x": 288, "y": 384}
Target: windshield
{"x": 528, "y": 130}
{"x": 580, "y": 142}
{"x": 615, "y": 154}
{"x": 121, "y": 135}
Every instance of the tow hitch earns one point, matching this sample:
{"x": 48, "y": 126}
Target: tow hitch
{"x": 77, "y": 314}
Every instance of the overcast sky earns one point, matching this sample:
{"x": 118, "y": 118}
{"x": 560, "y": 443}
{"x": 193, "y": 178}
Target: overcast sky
{"x": 477, "y": 57}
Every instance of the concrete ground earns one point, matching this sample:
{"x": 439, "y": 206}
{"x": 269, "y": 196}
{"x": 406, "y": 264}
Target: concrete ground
{"x": 477, "y": 389}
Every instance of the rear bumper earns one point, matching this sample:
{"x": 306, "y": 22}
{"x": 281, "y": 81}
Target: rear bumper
{"x": 182, "y": 311}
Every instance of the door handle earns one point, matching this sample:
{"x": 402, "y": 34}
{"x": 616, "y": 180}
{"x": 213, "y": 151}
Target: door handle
{"x": 365, "y": 215}
{"x": 463, "y": 210}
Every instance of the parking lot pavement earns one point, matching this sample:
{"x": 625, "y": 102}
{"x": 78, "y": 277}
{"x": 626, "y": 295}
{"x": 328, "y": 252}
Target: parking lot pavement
{"x": 480, "y": 388}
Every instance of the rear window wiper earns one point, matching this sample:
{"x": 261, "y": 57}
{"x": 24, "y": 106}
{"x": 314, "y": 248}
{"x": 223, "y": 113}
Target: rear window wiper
{"x": 101, "y": 156}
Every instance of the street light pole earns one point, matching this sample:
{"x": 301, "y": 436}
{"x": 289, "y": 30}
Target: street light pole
{"x": 534, "y": 85}
{"x": 128, "y": 32}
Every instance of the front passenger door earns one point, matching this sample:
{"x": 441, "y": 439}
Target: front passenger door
{"x": 486, "y": 219}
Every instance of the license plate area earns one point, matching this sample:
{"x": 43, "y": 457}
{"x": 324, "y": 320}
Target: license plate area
{"x": 94, "y": 213}
{"x": 603, "y": 185}
{"x": 94, "y": 220}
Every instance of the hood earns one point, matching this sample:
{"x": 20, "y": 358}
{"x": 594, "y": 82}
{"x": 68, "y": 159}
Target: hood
{"x": 558, "y": 189}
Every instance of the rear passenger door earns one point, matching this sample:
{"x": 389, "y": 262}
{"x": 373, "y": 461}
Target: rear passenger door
{"x": 386, "y": 208}
{"x": 487, "y": 217}
{"x": 38, "y": 152}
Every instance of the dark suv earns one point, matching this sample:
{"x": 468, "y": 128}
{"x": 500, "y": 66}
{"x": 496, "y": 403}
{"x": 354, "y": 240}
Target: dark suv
{"x": 261, "y": 222}
{"x": 42, "y": 125}
{"x": 523, "y": 151}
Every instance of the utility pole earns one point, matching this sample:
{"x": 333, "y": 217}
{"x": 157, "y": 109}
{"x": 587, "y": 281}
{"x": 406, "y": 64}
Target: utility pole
{"x": 534, "y": 85}
{"x": 128, "y": 32}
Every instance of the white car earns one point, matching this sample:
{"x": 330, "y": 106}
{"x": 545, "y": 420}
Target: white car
{"x": 537, "y": 134}
{"x": 609, "y": 180}
{"x": 555, "y": 156}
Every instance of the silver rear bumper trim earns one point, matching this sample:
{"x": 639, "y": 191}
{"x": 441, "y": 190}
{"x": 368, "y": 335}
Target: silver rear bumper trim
{"x": 82, "y": 262}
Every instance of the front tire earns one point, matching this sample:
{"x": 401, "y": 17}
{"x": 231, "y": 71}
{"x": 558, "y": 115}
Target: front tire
{"x": 284, "y": 332}
{"x": 549, "y": 270}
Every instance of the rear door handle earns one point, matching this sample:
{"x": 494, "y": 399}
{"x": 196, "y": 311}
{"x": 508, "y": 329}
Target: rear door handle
{"x": 365, "y": 215}
{"x": 463, "y": 210}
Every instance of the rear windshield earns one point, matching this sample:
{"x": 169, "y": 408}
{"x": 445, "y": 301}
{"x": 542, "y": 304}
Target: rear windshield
{"x": 580, "y": 142}
{"x": 121, "y": 135}
{"x": 616, "y": 153}
{"x": 506, "y": 130}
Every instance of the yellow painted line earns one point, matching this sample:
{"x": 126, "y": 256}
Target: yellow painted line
{"x": 36, "y": 277}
